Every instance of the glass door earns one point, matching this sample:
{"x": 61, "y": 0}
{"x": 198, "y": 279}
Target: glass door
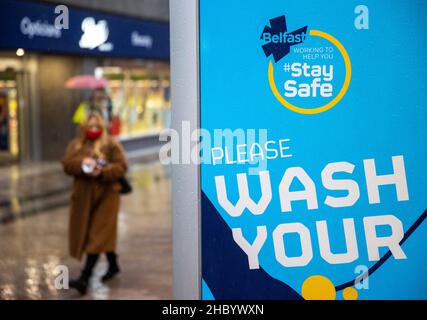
{"x": 9, "y": 137}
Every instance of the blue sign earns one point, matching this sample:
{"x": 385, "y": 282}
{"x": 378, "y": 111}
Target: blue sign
{"x": 36, "y": 27}
{"x": 314, "y": 149}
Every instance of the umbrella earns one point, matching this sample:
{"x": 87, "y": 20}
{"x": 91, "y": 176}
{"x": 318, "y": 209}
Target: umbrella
{"x": 86, "y": 82}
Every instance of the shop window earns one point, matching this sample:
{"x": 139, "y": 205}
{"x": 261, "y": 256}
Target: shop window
{"x": 140, "y": 99}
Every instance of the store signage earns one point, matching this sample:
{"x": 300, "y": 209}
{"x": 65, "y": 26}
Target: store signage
{"x": 31, "y": 26}
{"x": 317, "y": 189}
{"x": 95, "y": 35}
{"x": 39, "y": 29}
{"x": 141, "y": 40}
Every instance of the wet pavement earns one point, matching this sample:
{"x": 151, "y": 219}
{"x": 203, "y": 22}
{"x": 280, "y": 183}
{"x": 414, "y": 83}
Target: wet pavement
{"x": 33, "y": 236}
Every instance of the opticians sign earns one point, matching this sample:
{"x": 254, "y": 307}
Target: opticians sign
{"x": 32, "y": 26}
{"x": 317, "y": 189}
{"x": 39, "y": 28}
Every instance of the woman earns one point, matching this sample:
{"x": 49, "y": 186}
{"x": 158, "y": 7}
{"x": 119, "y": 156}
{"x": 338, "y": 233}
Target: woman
{"x": 99, "y": 102}
{"x": 96, "y": 162}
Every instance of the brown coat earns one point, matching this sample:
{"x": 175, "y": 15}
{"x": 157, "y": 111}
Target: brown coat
{"x": 94, "y": 201}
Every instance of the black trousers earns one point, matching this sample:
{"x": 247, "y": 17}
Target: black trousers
{"x": 92, "y": 259}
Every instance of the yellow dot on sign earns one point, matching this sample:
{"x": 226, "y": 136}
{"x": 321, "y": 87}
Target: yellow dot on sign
{"x": 318, "y": 288}
{"x": 350, "y": 294}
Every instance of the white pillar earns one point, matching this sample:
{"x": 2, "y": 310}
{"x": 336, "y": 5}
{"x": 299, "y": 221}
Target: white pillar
{"x": 185, "y": 204}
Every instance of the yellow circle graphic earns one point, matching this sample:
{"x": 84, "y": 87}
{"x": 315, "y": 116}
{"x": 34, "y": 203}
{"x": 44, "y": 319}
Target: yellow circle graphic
{"x": 331, "y": 103}
{"x": 350, "y": 294}
{"x": 318, "y": 288}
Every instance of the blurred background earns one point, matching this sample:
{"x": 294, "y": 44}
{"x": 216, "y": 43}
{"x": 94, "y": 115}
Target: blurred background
{"x": 125, "y": 46}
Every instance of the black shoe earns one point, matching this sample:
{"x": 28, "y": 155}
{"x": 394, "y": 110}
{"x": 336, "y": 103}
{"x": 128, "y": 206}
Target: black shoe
{"x": 111, "y": 273}
{"x": 80, "y": 285}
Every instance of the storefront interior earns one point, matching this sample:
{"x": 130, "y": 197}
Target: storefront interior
{"x": 140, "y": 94}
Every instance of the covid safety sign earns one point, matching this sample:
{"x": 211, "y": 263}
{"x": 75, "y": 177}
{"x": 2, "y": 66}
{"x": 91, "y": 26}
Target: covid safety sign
{"x": 313, "y": 173}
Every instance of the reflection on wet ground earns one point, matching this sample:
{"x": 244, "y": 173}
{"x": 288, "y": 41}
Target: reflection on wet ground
{"x": 33, "y": 236}
{"x": 29, "y": 189}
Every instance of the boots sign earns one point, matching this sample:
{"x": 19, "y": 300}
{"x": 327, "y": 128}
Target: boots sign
{"x": 32, "y": 26}
{"x": 318, "y": 189}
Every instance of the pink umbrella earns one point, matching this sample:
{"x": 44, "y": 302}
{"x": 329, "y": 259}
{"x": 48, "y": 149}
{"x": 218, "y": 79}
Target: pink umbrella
{"x": 86, "y": 82}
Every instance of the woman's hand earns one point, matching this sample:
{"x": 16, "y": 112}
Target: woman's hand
{"x": 89, "y": 162}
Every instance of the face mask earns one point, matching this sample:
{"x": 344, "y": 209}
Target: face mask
{"x": 93, "y": 134}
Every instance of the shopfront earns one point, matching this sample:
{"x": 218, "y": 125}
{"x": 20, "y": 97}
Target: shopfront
{"x": 38, "y": 56}
{"x": 8, "y": 116}
{"x": 140, "y": 97}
